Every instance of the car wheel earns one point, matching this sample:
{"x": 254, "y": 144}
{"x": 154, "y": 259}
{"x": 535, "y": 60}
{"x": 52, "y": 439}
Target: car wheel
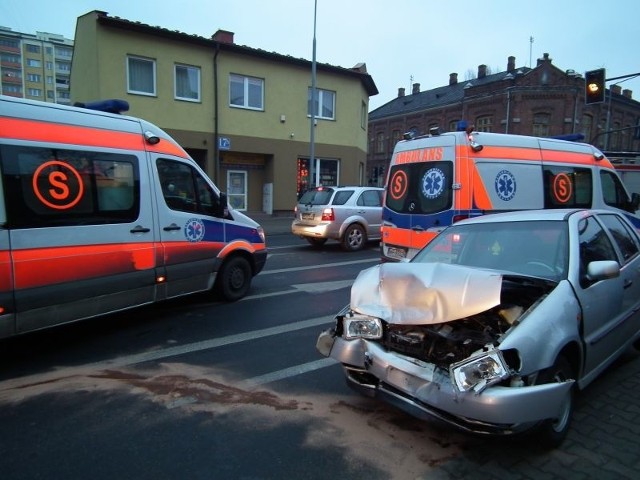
{"x": 234, "y": 279}
{"x": 552, "y": 432}
{"x": 354, "y": 238}
{"x": 316, "y": 242}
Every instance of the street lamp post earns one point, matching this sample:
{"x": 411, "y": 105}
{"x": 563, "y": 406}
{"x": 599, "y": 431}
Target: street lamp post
{"x": 312, "y": 137}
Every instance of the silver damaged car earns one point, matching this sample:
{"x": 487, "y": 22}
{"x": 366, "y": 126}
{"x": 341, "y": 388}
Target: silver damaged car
{"x": 496, "y": 323}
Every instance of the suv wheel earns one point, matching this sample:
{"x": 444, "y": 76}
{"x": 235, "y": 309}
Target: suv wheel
{"x": 354, "y": 238}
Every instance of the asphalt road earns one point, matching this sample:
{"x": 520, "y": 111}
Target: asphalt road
{"x": 197, "y": 388}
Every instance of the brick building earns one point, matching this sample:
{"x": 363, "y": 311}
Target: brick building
{"x": 543, "y": 101}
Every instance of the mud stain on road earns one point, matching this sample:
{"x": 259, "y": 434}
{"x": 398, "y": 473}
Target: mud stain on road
{"x": 366, "y": 431}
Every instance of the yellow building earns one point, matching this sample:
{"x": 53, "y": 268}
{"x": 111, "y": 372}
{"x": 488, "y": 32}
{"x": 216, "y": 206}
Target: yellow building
{"x": 242, "y": 113}
{"x": 36, "y": 67}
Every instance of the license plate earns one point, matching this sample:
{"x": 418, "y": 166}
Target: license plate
{"x": 307, "y": 216}
{"x": 395, "y": 252}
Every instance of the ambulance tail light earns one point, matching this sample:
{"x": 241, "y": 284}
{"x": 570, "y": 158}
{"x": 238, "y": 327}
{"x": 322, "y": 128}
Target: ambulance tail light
{"x": 457, "y": 218}
{"x": 328, "y": 215}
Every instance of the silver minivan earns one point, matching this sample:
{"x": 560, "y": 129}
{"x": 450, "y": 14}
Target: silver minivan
{"x": 350, "y": 215}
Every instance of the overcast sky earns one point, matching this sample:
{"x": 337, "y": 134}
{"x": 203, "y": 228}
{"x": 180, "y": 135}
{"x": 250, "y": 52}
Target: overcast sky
{"x": 401, "y": 41}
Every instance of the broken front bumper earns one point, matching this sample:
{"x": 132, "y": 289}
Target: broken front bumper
{"x": 422, "y": 390}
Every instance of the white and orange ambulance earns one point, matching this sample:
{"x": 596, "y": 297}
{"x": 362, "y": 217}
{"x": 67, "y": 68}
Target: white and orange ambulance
{"x": 101, "y": 212}
{"x": 436, "y": 180}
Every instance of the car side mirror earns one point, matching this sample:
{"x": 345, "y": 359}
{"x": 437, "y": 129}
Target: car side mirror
{"x": 602, "y": 270}
{"x": 635, "y": 202}
{"x": 222, "y": 208}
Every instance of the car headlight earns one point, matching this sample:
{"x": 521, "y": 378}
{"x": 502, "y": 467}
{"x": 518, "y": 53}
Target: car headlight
{"x": 477, "y": 373}
{"x": 361, "y": 326}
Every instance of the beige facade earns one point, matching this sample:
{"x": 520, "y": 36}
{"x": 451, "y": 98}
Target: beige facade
{"x": 256, "y": 152}
{"x": 36, "y": 67}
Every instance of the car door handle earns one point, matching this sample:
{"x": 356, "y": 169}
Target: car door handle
{"x": 139, "y": 229}
{"x": 417, "y": 228}
{"x": 627, "y": 283}
{"x": 171, "y": 227}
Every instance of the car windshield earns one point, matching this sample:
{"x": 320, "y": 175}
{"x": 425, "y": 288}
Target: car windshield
{"x": 317, "y": 196}
{"x": 534, "y": 248}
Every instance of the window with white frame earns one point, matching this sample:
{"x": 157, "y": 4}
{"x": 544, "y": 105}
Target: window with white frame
{"x": 325, "y": 104}
{"x": 32, "y": 62}
{"x": 484, "y": 124}
{"x": 141, "y": 76}
{"x": 187, "y": 83}
{"x": 246, "y": 92}
{"x": 541, "y": 123}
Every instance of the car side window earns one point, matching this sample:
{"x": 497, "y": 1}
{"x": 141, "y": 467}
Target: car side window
{"x": 612, "y": 190}
{"x": 627, "y": 243}
{"x": 342, "y": 197}
{"x": 369, "y": 198}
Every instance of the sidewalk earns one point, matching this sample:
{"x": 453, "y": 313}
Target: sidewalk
{"x": 276, "y": 224}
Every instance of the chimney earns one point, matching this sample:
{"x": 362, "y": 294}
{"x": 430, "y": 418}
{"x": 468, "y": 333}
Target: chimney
{"x": 223, "y": 36}
{"x": 617, "y": 89}
{"x": 482, "y": 71}
{"x": 453, "y": 78}
{"x": 511, "y": 64}
{"x": 627, "y": 93}
{"x": 401, "y": 92}
{"x": 545, "y": 59}
{"x": 416, "y": 88}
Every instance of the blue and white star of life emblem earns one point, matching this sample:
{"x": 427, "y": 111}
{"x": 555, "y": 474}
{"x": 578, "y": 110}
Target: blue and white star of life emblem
{"x": 194, "y": 230}
{"x": 505, "y": 185}
{"x": 433, "y": 183}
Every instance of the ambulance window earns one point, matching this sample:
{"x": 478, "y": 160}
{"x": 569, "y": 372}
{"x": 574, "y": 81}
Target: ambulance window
{"x": 420, "y": 188}
{"x": 567, "y": 187}
{"x": 53, "y": 187}
{"x": 613, "y": 192}
{"x": 184, "y": 189}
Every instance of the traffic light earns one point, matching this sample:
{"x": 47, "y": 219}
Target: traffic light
{"x": 594, "y": 86}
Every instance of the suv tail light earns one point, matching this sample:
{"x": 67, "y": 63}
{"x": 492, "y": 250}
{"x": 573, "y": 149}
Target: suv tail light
{"x": 328, "y": 215}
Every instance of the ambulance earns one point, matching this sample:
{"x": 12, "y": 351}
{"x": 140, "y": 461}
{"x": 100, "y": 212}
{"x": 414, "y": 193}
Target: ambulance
{"x": 440, "y": 178}
{"x": 101, "y": 212}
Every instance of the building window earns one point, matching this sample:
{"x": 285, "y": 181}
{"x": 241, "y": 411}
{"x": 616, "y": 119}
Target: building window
{"x": 614, "y": 142}
{"x": 363, "y": 115}
{"x": 453, "y": 125}
{"x": 48, "y": 50}
{"x": 7, "y": 42}
{"x": 325, "y": 104}
{"x": 34, "y": 92}
{"x": 380, "y": 142}
{"x": 63, "y": 67}
{"x": 587, "y": 126}
{"x": 33, "y": 48}
{"x": 395, "y": 137}
{"x": 246, "y": 92}
{"x": 187, "y": 83}
{"x": 141, "y": 76}
{"x": 31, "y": 62}
{"x": 541, "y": 125}
{"x": 33, "y": 77}
{"x": 48, "y": 65}
{"x": 484, "y": 124}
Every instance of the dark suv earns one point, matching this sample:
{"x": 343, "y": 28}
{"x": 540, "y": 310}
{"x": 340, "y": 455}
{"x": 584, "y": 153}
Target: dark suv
{"x": 351, "y": 215}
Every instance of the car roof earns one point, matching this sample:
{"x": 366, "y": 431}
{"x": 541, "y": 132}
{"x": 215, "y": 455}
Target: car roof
{"x": 527, "y": 215}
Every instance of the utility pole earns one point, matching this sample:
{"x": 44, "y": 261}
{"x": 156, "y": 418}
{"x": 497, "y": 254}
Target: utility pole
{"x": 313, "y": 173}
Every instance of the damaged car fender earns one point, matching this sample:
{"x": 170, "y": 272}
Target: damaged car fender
{"x": 556, "y": 316}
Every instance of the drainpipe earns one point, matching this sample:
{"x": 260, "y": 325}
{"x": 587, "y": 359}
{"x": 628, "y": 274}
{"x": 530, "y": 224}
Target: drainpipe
{"x": 216, "y": 152}
{"x": 506, "y": 128}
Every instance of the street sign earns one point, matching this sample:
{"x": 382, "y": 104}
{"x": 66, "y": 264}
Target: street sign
{"x": 224, "y": 143}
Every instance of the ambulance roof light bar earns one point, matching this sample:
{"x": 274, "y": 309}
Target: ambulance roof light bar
{"x": 108, "y": 106}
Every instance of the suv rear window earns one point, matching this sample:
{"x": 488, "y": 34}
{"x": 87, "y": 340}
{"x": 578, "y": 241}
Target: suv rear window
{"x": 316, "y": 196}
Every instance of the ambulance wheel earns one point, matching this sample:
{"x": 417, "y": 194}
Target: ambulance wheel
{"x": 354, "y": 238}
{"x": 234, "y": 279}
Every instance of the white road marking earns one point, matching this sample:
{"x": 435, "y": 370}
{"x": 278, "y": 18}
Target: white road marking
{"x": 315, "y": 267}
{"x": 157, "y": 355}
{"x": 288, "y": 372}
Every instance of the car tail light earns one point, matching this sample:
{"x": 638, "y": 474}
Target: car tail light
{"x": 457, "y": 218}
{"x": 328, "y": 215}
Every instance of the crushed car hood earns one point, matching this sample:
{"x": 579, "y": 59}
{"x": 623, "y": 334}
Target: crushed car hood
{"x": 424, "y": 293}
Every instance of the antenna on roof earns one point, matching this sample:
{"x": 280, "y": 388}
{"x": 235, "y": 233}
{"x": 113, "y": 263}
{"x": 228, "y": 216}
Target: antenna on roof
{"x": 530, "y": 49}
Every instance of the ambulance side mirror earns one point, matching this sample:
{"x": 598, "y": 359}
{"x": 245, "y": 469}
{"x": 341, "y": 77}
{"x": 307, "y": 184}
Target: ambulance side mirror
{"x": 222, "y": 207}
